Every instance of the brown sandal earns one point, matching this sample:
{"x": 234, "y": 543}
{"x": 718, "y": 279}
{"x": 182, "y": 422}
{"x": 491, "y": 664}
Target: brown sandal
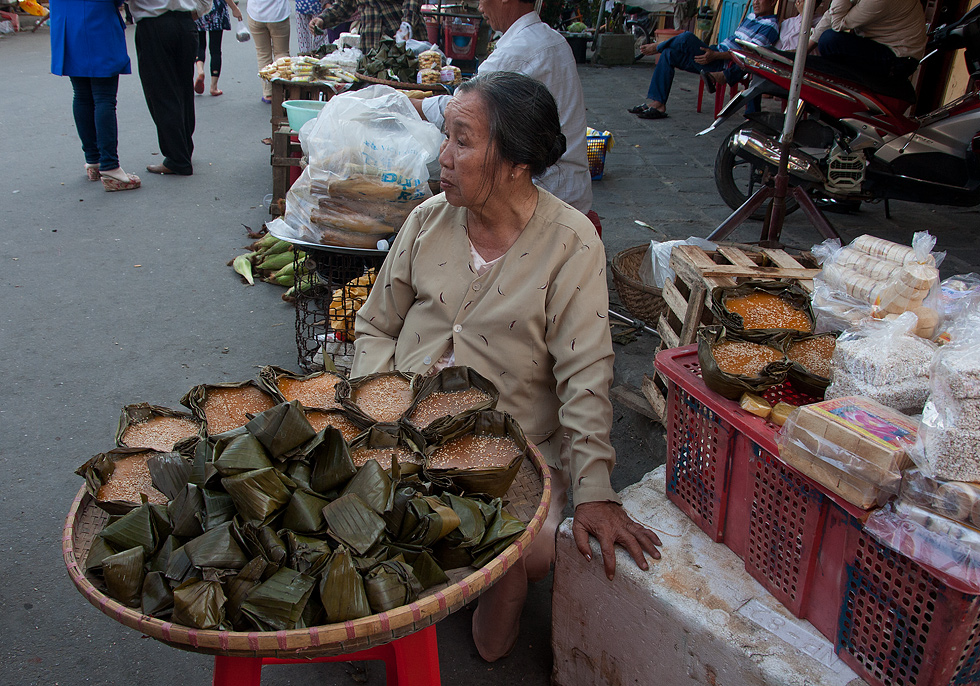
{"x": 92, "y": 172}
{"x": 111, "y": 184}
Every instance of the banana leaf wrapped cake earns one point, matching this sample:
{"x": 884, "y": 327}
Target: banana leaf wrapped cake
{"x": 338, "y": 419}
{"x": 382, "y": 397}
{"x": 157, "y": 428}
{"x": 271, "y": 525}
{"x": 120, "y": 479}
{"x": 226, "y": 406}
{"x": 316, "y": 391}
{"x": 449, "y": 395}
{"x": 731, "y": 366}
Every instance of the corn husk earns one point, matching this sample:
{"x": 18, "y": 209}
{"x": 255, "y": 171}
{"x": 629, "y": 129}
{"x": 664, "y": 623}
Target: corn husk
{"x": 374, "y": 486}
{"x": 238, "y": 587}
{"x": 381, "y": 436}
{"x": 452, "y": 380}
{"x": 123, "y": 574}
{"x": 170, "y": 473}
{"x": 430, "y": 520}
{"x": 199, "y": 604}
{"x": 346, "y": 396}
{"x": 258, "y": 494}
{"x": 281, "y": 429}
{"x": 353, "y": 523}
{"x": 219, "y": 508}
{"x": 146, "y": 526}
{"x": 330, "y": 459}
{"x": 269, "y": 377}
{"x": 732, "y": 386}
{"x": 342, "y": 589}
{"x": 491, "y": 481}
{"x": 239, "y": 453}
{"x": 195, "y": 400}
{"x": 391, "y": 584}
{"x": 143, "y": 412}
{"x": 304, "y": 551}
{"x": 97, "y": 553}
{"x": 98, "y": 470}
{"x": 304, "y": 513}
{"x": 186, "y": 512}
{"x": 157, "y": 598}
{"x": 277, "y": 604}
{"x": 792, "y": 293}
{"x": 265, "y": 542}
{"x": 218, "y": 548}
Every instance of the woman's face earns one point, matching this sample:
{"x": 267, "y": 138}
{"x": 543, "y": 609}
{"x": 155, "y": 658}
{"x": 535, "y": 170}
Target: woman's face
{"x": 469, "y": 167}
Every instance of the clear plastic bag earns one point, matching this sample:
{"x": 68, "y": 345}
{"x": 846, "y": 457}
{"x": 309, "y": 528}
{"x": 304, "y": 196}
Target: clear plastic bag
{"x": 882, "y": 360}
{"x": 929, "y": 539}
{"x": 958, "y": 500}
{"x": 873, "y": 277}
{"x": 655, "y": 268}
{"x": 242, "y": 34}
{"x": 368, "y": 152}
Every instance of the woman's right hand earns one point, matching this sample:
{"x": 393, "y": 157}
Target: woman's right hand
{"x": 316, "y": 25}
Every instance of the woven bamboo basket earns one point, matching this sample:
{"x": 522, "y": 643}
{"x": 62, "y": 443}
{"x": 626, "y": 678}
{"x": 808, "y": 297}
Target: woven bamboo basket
{"x": 528, "y": 498}
{"x": 644, "y": 302}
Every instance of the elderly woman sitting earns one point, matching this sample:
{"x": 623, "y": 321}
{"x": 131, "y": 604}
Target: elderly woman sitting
{"x": 499, "y": 275}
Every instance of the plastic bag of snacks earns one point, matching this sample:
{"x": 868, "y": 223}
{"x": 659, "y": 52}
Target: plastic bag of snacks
{"x": 731, "y": 366}
{"x": 883, "y": 361}
{"x": 959, "y": 500}
{"x": 875, "y": 277}
{"x": 949, "y": 445}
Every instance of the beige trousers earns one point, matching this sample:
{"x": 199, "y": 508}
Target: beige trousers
{"x": 497, "y": 619}
{"x": 271, "y": 43}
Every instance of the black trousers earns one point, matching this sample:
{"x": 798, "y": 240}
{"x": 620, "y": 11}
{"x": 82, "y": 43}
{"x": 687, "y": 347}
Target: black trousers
{"x": 202, "y": 48}
{"x": 166, "y": 48}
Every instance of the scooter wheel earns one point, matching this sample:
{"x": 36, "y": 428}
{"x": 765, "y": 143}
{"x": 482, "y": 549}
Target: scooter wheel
{"x": 737, "y": 178}
{"x": 640, "y": 38}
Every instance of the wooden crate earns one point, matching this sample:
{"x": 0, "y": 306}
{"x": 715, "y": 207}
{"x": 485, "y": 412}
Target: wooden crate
{"x": 688, "y": 296}
{"x": 284, "y": 90}
{"x": 286, "y": 159}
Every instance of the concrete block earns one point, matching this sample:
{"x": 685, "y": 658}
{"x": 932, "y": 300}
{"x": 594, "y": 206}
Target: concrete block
{"x": 614, "y": 49}
{"x": 696, "y": 617}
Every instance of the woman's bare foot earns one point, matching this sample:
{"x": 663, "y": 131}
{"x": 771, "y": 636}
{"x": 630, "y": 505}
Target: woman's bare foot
{"x": 199, "y": 79}
{"x": 214, "y": 86}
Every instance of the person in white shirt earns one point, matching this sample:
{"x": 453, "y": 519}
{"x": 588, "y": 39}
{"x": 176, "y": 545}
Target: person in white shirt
{"x": 166, "y": 49}
{"x": 531, "y": 47}
{"x": 790, "y": 29}
{"x": 268, "y": 22}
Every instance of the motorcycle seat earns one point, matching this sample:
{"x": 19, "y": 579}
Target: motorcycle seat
{"x": 892, "y": 86}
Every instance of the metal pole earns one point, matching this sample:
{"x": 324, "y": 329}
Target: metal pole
{"x": 773, "y": 226}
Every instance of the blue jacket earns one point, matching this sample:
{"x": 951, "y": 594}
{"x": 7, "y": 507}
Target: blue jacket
{"x": 88, "y": 38}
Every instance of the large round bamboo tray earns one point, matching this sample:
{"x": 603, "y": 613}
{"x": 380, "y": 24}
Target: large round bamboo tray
{"x": 528, "y": 498}
{"x": 644, "y": 302}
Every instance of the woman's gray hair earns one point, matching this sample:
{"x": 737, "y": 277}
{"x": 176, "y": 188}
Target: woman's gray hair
{"x": 522, "y": 117}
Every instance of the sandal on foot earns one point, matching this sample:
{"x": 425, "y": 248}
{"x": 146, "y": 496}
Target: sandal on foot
{"x": 92, "y": 172}
{"x": 709, "y": 81}
{"x": 643, "y": 107}
{"x": 199, "y": 85}
{"x": 111, "y": 184}
{"x": 651, "y": 113}
{"x": 267, "y": 101}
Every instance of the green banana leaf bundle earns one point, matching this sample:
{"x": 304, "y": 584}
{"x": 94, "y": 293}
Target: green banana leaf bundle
{"x": 157, "y": 596}
{"x": 477, "y": 471}
{"x": 729, "y": 385}
{"x": 374, "y": 486}
{"x": 305, "y": 551}
{"x": 170, "y": 473}
{"x": 391, "y": 584}
{"x": 281, "y": 429}
{"x": 238, "y": 587}
{"x": 342, "y": 588}
{"x": 124, "y": 574}
{"x": 99, "y": 551}
{"x": 330, "y": 462}
{"x": 219, "y": 508}
{"x": 378, "y": 398}
{"x": 145, "y": 526}
{"x": 200, "y": 604}
{"x": 353, "y": 523}
{"x": 160, "y": 428}
{"x": 220, "y": 548}
{"x": 228, "y": 405}
{"x": 160, "y": 560}
{"x": 317, "y": 391}
{"x": 237, "y": 453}
{"x": 388, "y": 443}
{"x": 277, "y": 604}
{"x": 259, "y": 494}
{"x": 804, "y": 379}
{"x": 448, "y": 397}
{"x": 265, "y": 542}
{"x": 186, "y": 512}
{"x": 133, "y": 482}
{"x": 304, "y": 512}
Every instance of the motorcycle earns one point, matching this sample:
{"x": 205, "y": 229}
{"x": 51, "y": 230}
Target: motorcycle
{"x": 854, "y": 141}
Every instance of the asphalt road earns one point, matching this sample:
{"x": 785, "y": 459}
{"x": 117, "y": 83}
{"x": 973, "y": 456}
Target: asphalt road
{"x": 114, "y": 298}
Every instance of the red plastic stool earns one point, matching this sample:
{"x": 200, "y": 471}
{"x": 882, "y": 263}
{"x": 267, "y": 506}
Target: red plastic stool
{"x": 720, "y": 97}
{"x": 409, "y": 661}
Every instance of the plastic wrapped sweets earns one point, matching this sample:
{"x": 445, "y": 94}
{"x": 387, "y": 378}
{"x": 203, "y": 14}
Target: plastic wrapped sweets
{"x": 855, "y": 447}
{"x": 959, "y": 500}
{"x": 883, "y": 361}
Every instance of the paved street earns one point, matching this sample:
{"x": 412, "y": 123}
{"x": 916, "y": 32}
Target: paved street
{"x": 114, "y": 298}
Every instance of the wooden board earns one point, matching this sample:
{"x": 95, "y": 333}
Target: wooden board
{"x": 688, "y": 296}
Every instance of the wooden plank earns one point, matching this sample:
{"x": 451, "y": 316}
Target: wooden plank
{"x": 656, "y": 396}
{"x": 668, "y": 336}
{"x": 736, "y": 256}
{"x": 734, "y": 271}
{"x": 675, "y": 301}
{"x": 633, "y": 400}
{"x": 689, "y": 326}
{"x": 780, "y": 258}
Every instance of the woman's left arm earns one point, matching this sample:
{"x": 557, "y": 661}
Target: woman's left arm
{"x": 579, "y": 340}
{"x": 233, "y": 8}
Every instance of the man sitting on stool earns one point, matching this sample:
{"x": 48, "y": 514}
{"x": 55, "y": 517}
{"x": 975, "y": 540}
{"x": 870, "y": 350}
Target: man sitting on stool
{"x": 688, "y": 52}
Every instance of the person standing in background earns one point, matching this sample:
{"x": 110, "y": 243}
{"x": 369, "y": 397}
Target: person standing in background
{"x": 268, "y": 22}
{"x": 308, "y": 42}
{"x": 213, "y": 25}
{"x": 88, "y": 45}
{"x": 377, "y": 18}
{"x": 166, "y": 48}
